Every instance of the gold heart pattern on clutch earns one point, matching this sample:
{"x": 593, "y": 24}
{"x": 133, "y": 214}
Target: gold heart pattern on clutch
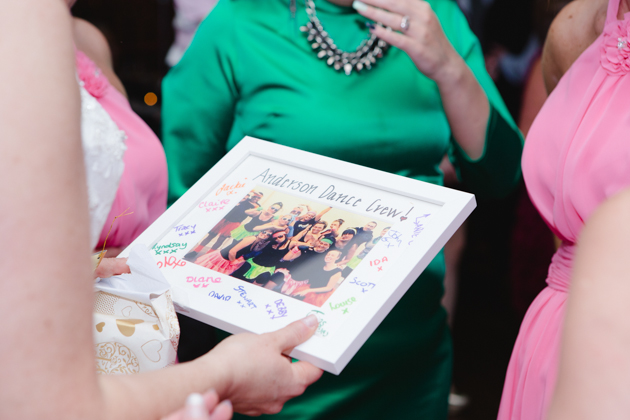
{"x": 146, "y": 309}
{"x": 115, "y": 358}
{"x": 151, "y": 350}
{"x": 127, "y": 327}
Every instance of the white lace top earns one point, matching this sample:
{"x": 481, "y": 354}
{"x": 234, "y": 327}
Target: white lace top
{"x": 103, "y": 150}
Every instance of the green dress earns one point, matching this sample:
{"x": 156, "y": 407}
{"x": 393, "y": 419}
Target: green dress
{"x": 249, "y": 71}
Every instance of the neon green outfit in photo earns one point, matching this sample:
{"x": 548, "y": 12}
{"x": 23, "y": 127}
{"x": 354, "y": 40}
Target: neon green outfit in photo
{"x": 249, "y": 71}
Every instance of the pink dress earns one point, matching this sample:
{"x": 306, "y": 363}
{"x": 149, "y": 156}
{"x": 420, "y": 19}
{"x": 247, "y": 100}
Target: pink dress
{"x": 144, "y": 183}
{"x": 577, "y": 154}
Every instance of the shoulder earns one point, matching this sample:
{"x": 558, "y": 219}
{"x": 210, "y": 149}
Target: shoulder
{"x": 575, "y": 28}
{"x": 89, "y": 39}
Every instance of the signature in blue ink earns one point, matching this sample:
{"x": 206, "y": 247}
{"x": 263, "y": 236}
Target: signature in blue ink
{"x": 244, "y": 299}
{"x": 184, "y": 230}
{"x": 418, "y": 227}
{"x": 219, "y": 296}
{"x": 365, "y": 287}
{"x": 280, "y": 310}
{"x": 393, "y": 238}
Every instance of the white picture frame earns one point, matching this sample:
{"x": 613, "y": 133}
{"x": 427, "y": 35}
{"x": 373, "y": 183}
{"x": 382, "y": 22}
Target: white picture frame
{"x": 421, "y": 216}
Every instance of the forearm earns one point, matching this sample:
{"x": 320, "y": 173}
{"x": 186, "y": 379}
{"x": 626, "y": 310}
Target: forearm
{"x": 466, "y": 107}
{"x": 48, "y": 367}
{"x": 319, "y": 290}
{"x": 153, "y": 395}
{"x": 593, "y": 378}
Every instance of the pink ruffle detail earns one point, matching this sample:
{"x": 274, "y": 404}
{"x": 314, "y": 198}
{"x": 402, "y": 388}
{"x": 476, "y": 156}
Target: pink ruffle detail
{"x": 615, "y": 50}
{"x": 94, "y": 81}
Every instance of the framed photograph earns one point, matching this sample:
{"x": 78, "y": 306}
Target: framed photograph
{"x": 271, "y": 234}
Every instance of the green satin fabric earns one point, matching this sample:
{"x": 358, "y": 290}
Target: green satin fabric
{"x": 249, "y": 71}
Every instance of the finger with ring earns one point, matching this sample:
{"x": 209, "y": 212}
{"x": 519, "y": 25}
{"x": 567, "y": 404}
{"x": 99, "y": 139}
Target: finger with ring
{"x": 385, "y": 17}
{"x": 404, "y": 23}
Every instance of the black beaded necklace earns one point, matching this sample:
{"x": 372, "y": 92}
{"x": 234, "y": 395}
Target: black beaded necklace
{"x": 364, "y": 57}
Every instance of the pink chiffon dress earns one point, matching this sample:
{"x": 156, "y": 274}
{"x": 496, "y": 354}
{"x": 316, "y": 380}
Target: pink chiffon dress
{"x": 577, "y": 154}
{"x": 144, "y": 182}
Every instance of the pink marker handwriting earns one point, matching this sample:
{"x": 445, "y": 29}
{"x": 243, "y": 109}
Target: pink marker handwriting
{"x": 378, "y": 263}
{"x": 171, "y": 262}
{"x": 214, "y": 205}
{"x": 202, "y": 281}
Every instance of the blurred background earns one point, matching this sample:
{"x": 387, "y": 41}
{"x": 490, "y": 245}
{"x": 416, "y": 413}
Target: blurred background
{"x": 497, "y": 263}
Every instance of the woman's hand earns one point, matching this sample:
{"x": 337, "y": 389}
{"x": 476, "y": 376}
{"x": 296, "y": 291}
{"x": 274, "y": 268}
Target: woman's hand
{"x": 112, "y": 267}
{"x": 422, "y": 38}
{"x": 257, "y": 377}
{"x": 208, "y": 408}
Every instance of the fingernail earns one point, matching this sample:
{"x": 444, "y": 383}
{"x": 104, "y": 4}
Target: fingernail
{"x": 310, "y": 321}
{"x": 369, "y": 25}
{"x": 227, "y": 403}
{"x": 359, "y": 6}
{"x": 195, "y": 407}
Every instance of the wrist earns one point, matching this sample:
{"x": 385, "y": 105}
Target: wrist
{"x": 221, "y": 380}
{"x": 453, "y": 74}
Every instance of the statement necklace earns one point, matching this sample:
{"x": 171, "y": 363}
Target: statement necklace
{"x": 364, "y": 57}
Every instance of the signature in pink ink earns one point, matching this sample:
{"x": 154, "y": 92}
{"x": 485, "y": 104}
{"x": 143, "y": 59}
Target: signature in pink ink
{"x": 171, "y": 262}
{"x": 210, "y": 206}
{"x": 202, "y": 281}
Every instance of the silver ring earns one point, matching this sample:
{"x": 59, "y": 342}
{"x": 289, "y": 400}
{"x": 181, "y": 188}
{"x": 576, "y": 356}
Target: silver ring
{"x": 404, "y": 23}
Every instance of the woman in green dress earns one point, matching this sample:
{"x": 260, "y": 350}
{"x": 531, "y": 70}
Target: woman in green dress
{"x": 251, "y": 71}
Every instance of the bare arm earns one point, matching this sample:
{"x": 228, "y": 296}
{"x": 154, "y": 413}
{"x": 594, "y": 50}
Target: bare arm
{"x": 464, "y": 100}
{"x": 253, "y": 212}
{"x": 322, "y": 213}
{"x": 271, "y": 225}
{"x": 329, "y": 286}
{"x": 244, "y": 242}
{"x": 575, "y": 28}
{"x": 594, "y": 377}
{"x": 52, "y": 361}
{"x": 33, "y": 132}
{"x": 349, "y": 255}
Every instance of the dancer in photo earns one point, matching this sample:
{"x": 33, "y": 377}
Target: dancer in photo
{"x": 345, "y": 244}
{"x": 258, "y": 270}
{"x": 247, "y": 207}
{"x": 321, "y": 282}
{"x": 333, "y": 230}
{"x": 364, "y": 234}
{"x": 314, "y": 233}
{"x": 308, "y": 220}
{"x": 276, "y": 225}
{"x": 362, "y": 251}
{"x": 262, "y": 218}
{"x": 293, "y": 270}
{"x": 232, "y": 257}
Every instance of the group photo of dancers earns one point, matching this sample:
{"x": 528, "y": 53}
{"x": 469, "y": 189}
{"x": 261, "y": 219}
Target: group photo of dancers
{"x": 283, "y": 243}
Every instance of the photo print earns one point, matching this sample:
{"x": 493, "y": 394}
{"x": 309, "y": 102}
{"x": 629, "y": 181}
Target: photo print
{"x": 284, "y": 243}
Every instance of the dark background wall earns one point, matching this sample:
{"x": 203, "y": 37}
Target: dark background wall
{"x": 139, "y": 34}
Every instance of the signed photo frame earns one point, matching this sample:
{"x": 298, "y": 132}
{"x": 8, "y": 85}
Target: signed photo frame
{"x": 271, "y": 234}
